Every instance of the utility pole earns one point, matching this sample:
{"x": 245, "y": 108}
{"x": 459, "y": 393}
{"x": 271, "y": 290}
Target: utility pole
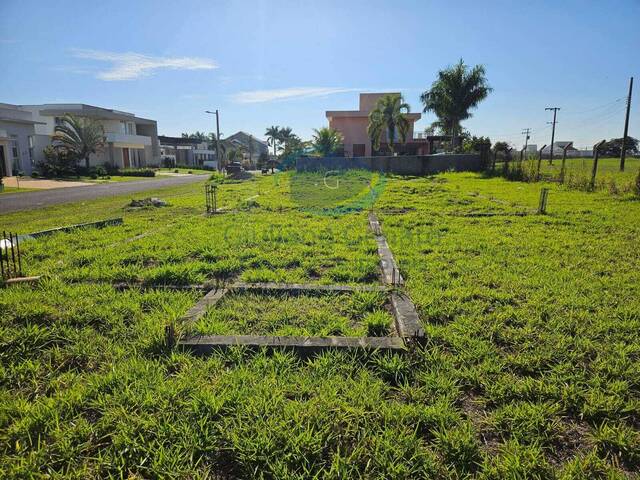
{"x": 623, "y": 154}
{"x": 526, "y": 133}
{"x": 553, "y": 131}
{"x": 217, "y": 136}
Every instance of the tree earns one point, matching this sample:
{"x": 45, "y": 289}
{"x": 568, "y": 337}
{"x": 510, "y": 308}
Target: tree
{"x": 82, "y": 136}
{"x": 455, "y": 92}
{"x": 474, "y": 144}
{"x": 389, "y": 116}
{"x": 273, "y": 138}
{"x": 327, "y": 141}
{"x": 613, "y": 147}
{"x": 199, "y": 136}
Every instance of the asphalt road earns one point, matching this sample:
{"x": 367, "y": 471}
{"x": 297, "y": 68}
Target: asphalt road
{"x": 15, "y": 202}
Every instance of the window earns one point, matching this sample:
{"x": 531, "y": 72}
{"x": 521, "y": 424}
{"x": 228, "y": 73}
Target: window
{"x": 30, "y": 138}
{"x": 15, "y": 154}
{"x": 58, "y": 121}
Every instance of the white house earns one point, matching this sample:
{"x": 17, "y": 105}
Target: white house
{"x": 16, "y": 140}
{"x": 130, "y": 141}
{"x": 187, "y": 151}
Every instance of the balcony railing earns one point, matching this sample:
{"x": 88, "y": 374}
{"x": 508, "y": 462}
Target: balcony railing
{"x": 138, "y": 140}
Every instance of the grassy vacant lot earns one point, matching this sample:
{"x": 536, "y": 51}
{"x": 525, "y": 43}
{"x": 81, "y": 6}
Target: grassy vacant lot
{"x": 531, "y": 369}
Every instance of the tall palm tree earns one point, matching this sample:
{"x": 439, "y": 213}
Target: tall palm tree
{"x": 455, "y": 92}
{"x": 273, "y": 137}
{"x": 389, "y": 116}
{"x": 82, "y": 136}
{"x": 327, "y": 140}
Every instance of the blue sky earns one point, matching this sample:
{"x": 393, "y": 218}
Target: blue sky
{"x": 285, "y": 62}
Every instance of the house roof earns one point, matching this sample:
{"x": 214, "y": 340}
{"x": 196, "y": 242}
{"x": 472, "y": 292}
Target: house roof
{"x": 59, "y": 109}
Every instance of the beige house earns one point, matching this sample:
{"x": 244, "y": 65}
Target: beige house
{"x": 130, "y": 141}
{"x": 352, "y": 124}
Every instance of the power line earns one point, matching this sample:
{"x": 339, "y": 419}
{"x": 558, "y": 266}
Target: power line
{"x": 553, "y": 131}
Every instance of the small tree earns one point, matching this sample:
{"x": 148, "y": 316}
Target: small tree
{"x": 475, "y": 144}
{"x": 327, "y": 141}
{"x": 389, "y": 116}
{"x": 273, "y": 138}
{"x": 82, "y": 136}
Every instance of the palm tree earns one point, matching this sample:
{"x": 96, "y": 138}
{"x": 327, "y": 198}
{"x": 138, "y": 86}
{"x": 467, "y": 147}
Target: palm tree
{"x": 389, "y": 116}
{"x": 327, "y": 140}
{"x": 456, "y": 91}
{"x": 82, "y": 136}
{"x": 273, "y": 137}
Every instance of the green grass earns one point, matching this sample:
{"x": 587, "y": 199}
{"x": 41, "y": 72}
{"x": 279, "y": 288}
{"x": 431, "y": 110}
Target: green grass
{"x": 530, "y": 368}
{"x": 300, "y": 315}
{"x": 15, "y": 190}
{"x": 194, "y": 170}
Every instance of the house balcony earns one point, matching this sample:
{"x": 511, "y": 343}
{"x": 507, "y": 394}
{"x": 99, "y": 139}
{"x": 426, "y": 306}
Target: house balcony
{"x": 124, "y": 140}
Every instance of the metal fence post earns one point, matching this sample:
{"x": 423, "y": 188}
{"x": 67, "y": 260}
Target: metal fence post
{"x": 564, "y": 161}
{"x": 542, "y": 203}
{"x": 594, "y": 171}
{"x": 539, "y": 161}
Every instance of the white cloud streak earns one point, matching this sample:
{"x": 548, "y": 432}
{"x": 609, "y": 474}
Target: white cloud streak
{"x": 261, "y": 96}
{"x": 130, "y": 65}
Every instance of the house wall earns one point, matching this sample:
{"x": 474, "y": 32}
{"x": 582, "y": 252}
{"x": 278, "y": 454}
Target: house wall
{"x": 22, "y": 134}
{"x": 401, "y": 165}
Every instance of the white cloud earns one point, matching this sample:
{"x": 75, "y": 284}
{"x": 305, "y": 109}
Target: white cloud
{"x": 130, "y": 65}
{"x": 260, "y": 96}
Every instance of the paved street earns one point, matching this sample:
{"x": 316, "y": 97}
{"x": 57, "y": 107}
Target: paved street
{"x": 14, "y": 202}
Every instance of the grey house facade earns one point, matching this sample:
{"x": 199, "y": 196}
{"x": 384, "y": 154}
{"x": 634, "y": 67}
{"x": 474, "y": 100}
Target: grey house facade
{"x": 131, "y": 141}
{"x": 17, "y": 131}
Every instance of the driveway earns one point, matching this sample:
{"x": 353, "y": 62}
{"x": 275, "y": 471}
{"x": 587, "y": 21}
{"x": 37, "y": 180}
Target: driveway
{"x": 14, "y": 202}
{"x": 44, "y": 184}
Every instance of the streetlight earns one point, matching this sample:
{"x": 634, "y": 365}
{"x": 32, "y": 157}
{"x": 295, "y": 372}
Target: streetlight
{"x": 217, "y": 137}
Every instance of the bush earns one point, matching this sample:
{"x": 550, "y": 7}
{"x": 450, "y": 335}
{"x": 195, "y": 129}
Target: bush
{"x": 216, "y": 177}
{"x": 58, "y": 162}
{"x": 137, "y": 172}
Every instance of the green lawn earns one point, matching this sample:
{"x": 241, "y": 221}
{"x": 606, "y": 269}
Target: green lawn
{"x": 194, "y": 170}
{"x": 357, "y": 314}
{"x": 15, "y": 190}
{"x": 531, "y": 367}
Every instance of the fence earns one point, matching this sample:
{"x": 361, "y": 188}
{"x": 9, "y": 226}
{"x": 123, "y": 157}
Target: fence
{"x": 588, "y": 173}
{"x": 401, "y": 165}
{"x": 10, "y": 258}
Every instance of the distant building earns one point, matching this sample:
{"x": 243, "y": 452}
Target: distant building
{"x": 17, "y": 130}
{"x": 352, "y": 124}
{"x": 130, "y": 141}
{"x": 251, "y": 146}
{"x": 558, "y": 148}
{"x": 186, "y": 151}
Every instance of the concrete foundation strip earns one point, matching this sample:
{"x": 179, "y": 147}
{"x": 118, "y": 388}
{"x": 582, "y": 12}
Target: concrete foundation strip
{"x": 405, "y": 313}
{"x": 298, "y": 288}
{"x": 68, "y": 228}
{"x": 406, "y": 316}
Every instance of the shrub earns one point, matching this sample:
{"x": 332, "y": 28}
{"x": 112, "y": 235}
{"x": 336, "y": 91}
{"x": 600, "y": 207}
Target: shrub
{"x": 58, "y": 162}
{"x": 137, "y": 172}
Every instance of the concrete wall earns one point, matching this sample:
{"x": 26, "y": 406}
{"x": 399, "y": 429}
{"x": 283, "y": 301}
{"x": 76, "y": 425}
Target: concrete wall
{"x": 401, "y": 165}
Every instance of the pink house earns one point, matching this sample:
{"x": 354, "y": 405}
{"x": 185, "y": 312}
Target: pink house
{"x": 353, "y": 125}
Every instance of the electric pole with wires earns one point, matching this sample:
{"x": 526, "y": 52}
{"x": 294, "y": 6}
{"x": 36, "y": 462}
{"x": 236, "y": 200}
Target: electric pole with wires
{"x": 553, "y": 131}
{"x": 623, "y": 153}
{"x": 526, "y": 132}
